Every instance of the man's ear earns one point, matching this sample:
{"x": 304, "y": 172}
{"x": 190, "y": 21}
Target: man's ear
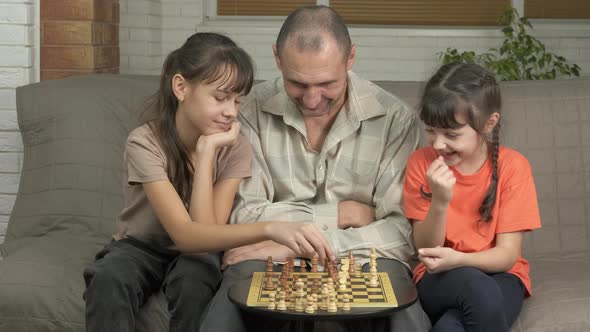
{"x": 179, "y": 87}
{"x": 275, "y": 52}
{"x": 351, "y": 57}
{"x": 491, "y": 122}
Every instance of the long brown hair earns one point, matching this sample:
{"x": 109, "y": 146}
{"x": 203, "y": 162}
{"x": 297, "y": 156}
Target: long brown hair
{"x": 203, "y": 58}
{"x": 472, "y": 91}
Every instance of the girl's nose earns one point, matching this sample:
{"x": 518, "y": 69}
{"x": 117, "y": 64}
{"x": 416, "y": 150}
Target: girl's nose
{"x": 438, "y": 143}
{"x": 232, "y": 110}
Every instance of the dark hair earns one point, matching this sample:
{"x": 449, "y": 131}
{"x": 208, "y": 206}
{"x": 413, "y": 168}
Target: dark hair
{"x": 309, "y": 25}
{"x": 203, "y": 58}
{"x": 470, "y": 90}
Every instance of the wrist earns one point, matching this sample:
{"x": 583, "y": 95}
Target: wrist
{"x": 439, "y": 205}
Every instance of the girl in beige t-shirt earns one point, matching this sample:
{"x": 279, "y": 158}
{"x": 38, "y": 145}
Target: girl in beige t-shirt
{"x": 183, "y": 170}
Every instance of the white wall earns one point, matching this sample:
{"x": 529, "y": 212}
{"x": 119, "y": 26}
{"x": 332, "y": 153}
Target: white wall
{"x": 151, "y": 28}
{"x": 17, "y": 67}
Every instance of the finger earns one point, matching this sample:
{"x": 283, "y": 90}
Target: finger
{"x": 429, "y": 252}
{"x": 305, "y": 246}
{"x": 322, "y": 246}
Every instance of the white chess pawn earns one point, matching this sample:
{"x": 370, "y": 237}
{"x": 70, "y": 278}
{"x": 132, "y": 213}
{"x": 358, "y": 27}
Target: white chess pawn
{"x": 272, "y": 305}
{"x": 309, "y": 305}
{"x": 345, "y": 302}
{"x": 332, "y": 303}
{"x": 373, "y": 282}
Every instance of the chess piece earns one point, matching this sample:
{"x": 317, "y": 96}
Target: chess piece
{"x": 315, "y": 286}
{"x": 282, "y": 306}
{"x": 269, "y": 284}
{"x": 351, "y": 267}
{"x": 325, "y": 294}
{"x": 373, "y": 280}
{"x": 359, "y": 270}
{"x": 272, "y": 305}
{"x": 345, "y": 302}
{"x": 314, "y": 300}
{"x": 332, "y": 303}
{"x": 299, "y": 304}
{"x": 269, "y": 264}
{"x": 314, "y": 262}
{"x": 309, "y": 305}
{"x": 300, "y": 292}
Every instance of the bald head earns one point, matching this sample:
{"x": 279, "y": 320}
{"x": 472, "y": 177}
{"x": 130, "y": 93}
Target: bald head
{"x": 312, "y": 28}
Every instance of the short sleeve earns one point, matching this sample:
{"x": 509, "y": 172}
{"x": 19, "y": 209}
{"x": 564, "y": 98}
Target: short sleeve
{"x": 518, "y": 207}
{"x": 415, "y": 206}
{"x": 144, "y": 158}
{"x": 236, "y": 161}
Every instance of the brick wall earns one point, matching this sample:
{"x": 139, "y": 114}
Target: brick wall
{"x": 79, "y": 37}
{"x": 17, "y": 58}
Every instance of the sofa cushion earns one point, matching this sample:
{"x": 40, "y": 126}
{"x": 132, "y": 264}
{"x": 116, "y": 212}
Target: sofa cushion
{"x": 70, "y": 194}
{"x": 561, "y": 296}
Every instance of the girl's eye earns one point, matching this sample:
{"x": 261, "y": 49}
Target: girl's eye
{"x": 220, "y": 98}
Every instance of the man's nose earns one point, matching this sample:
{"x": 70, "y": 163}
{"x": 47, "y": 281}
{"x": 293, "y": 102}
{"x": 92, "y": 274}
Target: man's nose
{"x": 312, "y": 98}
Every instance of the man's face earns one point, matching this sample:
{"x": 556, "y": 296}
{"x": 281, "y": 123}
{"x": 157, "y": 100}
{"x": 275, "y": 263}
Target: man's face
{"x": 316, "y": 80}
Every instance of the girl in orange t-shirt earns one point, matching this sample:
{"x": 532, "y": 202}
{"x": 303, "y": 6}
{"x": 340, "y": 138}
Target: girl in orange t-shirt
{"x": 469, "y": 200}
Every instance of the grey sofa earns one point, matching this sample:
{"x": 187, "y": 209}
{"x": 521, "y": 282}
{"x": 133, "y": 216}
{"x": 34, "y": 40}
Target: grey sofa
{"x": 71, "y": 192}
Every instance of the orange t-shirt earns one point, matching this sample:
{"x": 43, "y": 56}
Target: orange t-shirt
{"x": 516, "y": 208}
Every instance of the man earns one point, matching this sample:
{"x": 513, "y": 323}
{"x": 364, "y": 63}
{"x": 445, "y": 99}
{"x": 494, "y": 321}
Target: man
{"x": 329, "y": 149}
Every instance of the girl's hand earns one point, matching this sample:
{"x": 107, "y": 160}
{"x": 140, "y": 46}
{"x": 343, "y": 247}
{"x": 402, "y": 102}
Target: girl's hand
{"x": 439, "y": 259}
{"x": 219, "y": 140}
{"x": 440, "y": 180}
{"x": 258, "y": 251}
{"x": 304, "y": 239}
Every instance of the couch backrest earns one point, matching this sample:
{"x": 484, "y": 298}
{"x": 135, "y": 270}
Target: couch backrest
{"x": 549, "y": 123}
{"x": 74, "y": 132}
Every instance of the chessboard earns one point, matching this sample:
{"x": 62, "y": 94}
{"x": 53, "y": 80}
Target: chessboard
{"x": 357, "y": 288}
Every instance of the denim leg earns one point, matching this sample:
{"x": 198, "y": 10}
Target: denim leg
{"x": 222, "y": 315}
{"x": 189, "y": 285}
{"x": 118, "y": 283}
{"x": 475, "y": 294}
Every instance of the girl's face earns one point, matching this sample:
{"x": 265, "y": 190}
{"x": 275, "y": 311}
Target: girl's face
{"x": 209, "y": 108}
{"x": 463, "y": 148}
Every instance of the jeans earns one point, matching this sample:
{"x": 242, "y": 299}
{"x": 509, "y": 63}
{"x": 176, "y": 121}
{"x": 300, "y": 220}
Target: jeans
{"x": 467, "y": 299}
{"x": 126, "y": 272}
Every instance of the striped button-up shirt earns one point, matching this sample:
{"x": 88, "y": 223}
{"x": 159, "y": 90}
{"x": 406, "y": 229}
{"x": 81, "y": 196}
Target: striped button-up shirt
{"x": 362, "y": 159}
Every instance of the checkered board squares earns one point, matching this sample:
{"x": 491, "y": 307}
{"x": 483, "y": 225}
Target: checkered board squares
{"x": 360, "y": 294}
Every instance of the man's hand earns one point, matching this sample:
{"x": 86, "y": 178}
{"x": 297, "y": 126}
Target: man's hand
{"x": 257, "y": 251}
{"x": 354, "y": 214}
{"x": 439, "y": 259}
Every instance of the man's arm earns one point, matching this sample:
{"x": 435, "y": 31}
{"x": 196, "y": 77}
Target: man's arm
{"x": 391, "y": 233}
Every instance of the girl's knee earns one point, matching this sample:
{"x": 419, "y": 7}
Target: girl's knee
{"x": 482, "y": 299}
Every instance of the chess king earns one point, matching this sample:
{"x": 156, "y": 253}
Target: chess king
{"x": 329, "y": 149}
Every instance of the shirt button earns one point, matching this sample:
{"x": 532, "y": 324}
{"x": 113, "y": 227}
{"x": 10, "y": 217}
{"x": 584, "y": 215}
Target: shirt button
{"x": 321, "y": 167}
{"x": 325, "y": 227}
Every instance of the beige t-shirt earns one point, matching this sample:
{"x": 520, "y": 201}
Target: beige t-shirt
{"x": 145, "y": 162}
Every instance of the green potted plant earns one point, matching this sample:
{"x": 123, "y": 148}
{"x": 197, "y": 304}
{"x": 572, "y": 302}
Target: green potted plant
{"x": 521, "y": 56}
